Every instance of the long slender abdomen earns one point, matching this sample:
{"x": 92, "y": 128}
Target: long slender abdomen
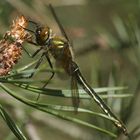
{"x": 81, "y": 80}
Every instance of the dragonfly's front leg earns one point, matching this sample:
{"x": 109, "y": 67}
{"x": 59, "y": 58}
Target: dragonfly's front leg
{"x": 51, "y": 66}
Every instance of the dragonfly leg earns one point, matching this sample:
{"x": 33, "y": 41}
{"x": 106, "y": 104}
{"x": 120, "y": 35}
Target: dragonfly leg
{"x": 37, "y": 65}
{"x": 51, "y": 66}
{"x": 36, "y": 52}
{"x": 33, "y": 22}
{"x": 31, "y": 42}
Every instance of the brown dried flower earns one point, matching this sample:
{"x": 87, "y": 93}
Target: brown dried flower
{"x": 9, "y": 55}
{"x": 18, "y": 32}
{"x": 10, "y": 51}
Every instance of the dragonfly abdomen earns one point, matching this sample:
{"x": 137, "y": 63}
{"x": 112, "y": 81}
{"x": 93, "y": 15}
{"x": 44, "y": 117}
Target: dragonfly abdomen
{"x": 81, "y": 80}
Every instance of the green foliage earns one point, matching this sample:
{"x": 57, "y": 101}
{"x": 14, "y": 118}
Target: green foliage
{"x": 105, "y": 38}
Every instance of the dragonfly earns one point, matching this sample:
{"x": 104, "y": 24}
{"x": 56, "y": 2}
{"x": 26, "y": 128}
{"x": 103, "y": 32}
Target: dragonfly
{"x": 61, "y": 49}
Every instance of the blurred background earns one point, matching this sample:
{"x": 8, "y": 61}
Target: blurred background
{"x": 106, "y": 42}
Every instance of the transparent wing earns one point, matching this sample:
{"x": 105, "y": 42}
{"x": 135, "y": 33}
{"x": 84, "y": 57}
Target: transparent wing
{"x": 58, "y": 22}
{"x": 75, "y": 93}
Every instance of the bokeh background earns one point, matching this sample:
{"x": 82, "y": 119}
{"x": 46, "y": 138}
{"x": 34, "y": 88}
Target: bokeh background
{"x": 106, "y": 42}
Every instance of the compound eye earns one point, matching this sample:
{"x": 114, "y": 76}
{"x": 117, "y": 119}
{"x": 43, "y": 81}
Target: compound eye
{"x": 46, "y": 32}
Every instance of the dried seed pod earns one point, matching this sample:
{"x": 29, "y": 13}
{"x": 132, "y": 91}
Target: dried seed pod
{"x": 18, "y": 32}
{"x": 10, "y": 53}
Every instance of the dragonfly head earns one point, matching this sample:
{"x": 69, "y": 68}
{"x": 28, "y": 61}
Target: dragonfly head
{"x": 43, "y": 35}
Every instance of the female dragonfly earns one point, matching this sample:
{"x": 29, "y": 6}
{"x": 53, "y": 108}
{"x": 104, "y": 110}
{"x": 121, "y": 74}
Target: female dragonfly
{"x": 61, "y": 50}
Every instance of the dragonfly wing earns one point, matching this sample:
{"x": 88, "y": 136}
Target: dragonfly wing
{"x": 75, "y": 93}
{"x": 59, "y": 24}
